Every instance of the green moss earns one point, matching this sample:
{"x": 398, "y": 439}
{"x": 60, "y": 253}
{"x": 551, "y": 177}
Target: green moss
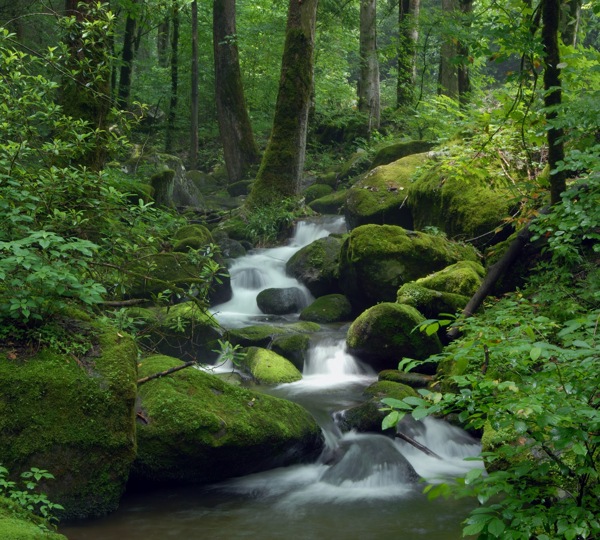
{"x": 201, "y": 429}
{"x": 267, "y": 367}
{"x": 380, "y": 197}
{"x": 330, "y": 204}
{"x": 429, "y": 302}
{"x": 383, "y": 389}
{"x": 316, "y": 191}
{"x": 162, "y": 185}
{"x": 414, "y": 380}
{"x": 193, "y": 230}
{"x": 462, "y": 278}
{"x": 394, "y": 152}
{"x": 293, "y": 348}
{"x": 77, "y": 421}
{"x": 328, "y": 309}
{"x": 17, "y": 523}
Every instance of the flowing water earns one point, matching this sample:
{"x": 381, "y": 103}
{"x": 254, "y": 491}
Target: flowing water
{"x": 363, "y": 487}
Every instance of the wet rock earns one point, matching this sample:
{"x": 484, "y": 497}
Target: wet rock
{"x": 281, "y": 301}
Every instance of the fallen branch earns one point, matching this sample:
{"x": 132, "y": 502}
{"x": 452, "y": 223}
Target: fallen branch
{"x": 120, "y": 303}
{"x": 166, "y": 372}
{"x": 417, "y": 445}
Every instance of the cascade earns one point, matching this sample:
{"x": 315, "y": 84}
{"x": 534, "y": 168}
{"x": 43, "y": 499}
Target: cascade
{"x": 364, "y": 485}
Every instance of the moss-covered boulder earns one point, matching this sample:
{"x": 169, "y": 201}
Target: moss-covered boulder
{"x": 183, "y": 330}
{"x": 330, "y": 204}
{"x": 200, "y": 429}
{"x": 72, "y": 418}
{"x": 381, "y": 196}
{"x": 262, "y": 335}
{"x": 317, "y": 265}
{"x": 414, "y": 380}
{"x": 429, "y": 302}
{"x": 356, "y": 164}
{"x": 462, "y": 278}
{"x": 316, "y": 191}
{"x": 469, "y": 202}
{"x": 368, "y": 415}
{"x": 293, "y": 347}
{"x": 191, "y": 237}
{"x": 328, "y": 309}
{"x": 16, "y": 523}
{"x": 242, "y": 187}
{"x": 268, "y": 367}
{"x": 396, "y": 151}
{"x": 376, "y": 260}
{"x": 156, "y": 273}
{"x": 281, "y": 300}
{"x": 384, "y": 334}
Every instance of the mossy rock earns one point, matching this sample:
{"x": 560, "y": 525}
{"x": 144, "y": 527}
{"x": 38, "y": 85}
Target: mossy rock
{"x": 330, "y": 204}
{"x": 316, "y": 191}
{"x": 162, "y": 271}
{"x": 414, "y": 380}
{"x": 242, "y": 187}
{"x": 317, "y": 266}
{"x": 292, "y": 347}
{"x": 376, "y": 260}
{"x": 200, "y": 429}
{"x": 328, "y": 309}
{"x": 464, "y": 203}
{"x": 263, "y": 335}
{"x": 162, "y": 187}
{"x": 16, "y": 523}
{"x": 184, "y": 331}
{"x": 193, "y": 230}
{"x": 237, "y": 228}
{"x": 396, "y": 151}
{"x": 384, "y": 334}
{"x": 356, "y": 164}
{"x": 329, "y": 178}
{"x": 462, "y": 278}
{"x": 281, "y": 300}
{"x": 429, "y": 302}
{"x": 268, "y": 367}
{"x": 368, "y": 415}
{"x": 74, "y": 419}
{"x": 380, "y": 197}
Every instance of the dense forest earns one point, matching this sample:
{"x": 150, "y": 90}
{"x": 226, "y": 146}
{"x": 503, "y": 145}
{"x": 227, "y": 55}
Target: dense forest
{"x": 145, "y": 145}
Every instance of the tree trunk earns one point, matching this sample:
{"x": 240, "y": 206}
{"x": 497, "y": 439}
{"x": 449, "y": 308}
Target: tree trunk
{"x": 194, "y": 97}
{"x": 368, "y": 80}
{"x": 170, "y": 132}
{"x": 239, "y": 146}
{"x": 281, "y": 168}
{"x": 553, "y": 95}
{"x": 570, "y": 17}
{"x": 162, "y": 43}
{"x": 127, "y": 61}
{"x": 408, "y": 36}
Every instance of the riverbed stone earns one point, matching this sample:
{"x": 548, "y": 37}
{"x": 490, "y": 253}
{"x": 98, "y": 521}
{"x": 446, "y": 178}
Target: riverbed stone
{"x": 268, "y": 367}
{"x": 281, "y": 300}
{"x": 414, "y": 380}
{"x": 376, "y": 260}
{"x": 328, "y": 309}
{"x": 429, "y": 302}
{"x": 197, "y": 428}
{"x": 74, "y": 418}
{"x": 292, "y": 347}
{"x": 316, "y": 191}
{"x": 262, "y": 335}
{"x": 384, "y": 334}
{"x": 317, "y": 265}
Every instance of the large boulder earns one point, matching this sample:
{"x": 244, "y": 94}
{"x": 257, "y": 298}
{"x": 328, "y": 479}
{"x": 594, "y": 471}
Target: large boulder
{"x": 376, "y": 260}
{"x": 430, "y": 302}
{"x": 381, "y": 196}
{"x": 281, "y": 301}
{"x": 316, "y": 265}
{"x": 72, "y": 417}
{"x": 396, "y": 151}
{"x": 468, "y": 202}
{"x": 293, "y": 347}
{"x": 328, "y": 309}
{"x": 200, "y": 429}
{"x": 268, "y": 367}
{"x": 262, "y": 335}
{"x": 385, "y": 333}
{"x": 330, "y": 204}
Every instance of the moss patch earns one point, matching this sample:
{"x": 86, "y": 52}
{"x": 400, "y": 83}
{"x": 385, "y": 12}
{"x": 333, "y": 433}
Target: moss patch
{"x": 330, "y": 204}
{"x": 19, "y": 524}
{"x": 429, "y": 302}
{"x": 327, "y": 309}
{"x": 394, "y": 152}
{"x": 267, "y": 367}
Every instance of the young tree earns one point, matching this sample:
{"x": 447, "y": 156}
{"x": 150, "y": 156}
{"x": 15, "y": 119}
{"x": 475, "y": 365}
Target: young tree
{"x": 239, "y": 146}
{"x": 195, "y": 81}
{"x": 408, "y": 36}
{"x": 283, "y": 161}
{"x": 368, "y": 80}
{"x": 174, "y": 76}
{"x": 127, "y": 55}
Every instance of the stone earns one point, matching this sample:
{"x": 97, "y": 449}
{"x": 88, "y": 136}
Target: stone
{"x": 268, "y": 367}
{"x": 328, "y": 309}
{"x": 396, "y": 151}
{"x": 281, "y": 301}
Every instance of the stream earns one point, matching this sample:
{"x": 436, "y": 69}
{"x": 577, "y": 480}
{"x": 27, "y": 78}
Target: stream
{"x": 363, "y": 486}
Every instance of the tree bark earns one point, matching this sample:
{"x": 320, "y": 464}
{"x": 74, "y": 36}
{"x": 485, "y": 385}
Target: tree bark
{"x": 408, "y": 36}
{"x": 368, "y": 80}
{"x": 553, "y": 95}
{"x": 239, "y": 147}
{"x": 162, "y": 43}
{"x": 570, "y": 17}
{"x": 127, "y": 60}
{"x": 193, "y": 161}
{"x": 281, "y": 168}
{"x": 170, "y": 132}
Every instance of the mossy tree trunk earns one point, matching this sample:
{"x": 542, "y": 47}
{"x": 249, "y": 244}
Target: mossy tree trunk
{"x": 169, "y": 136}
{"x": 239, "y": 146}
{"x": 162, "y": 42}
{"x": 553, "y": 95}
{"x": 281, "y": 168}
{"x": 368, "y": 80}
{"x": 194, "y": 98}
{"x": 408, "y": 36}
{"x": 127, "y": 57}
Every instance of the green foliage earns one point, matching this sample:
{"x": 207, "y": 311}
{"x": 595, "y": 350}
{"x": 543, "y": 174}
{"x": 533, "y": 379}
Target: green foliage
{"x": 531, "y": 386}
{"x": 267, "y": 223}
{"x": 26, "y": 496}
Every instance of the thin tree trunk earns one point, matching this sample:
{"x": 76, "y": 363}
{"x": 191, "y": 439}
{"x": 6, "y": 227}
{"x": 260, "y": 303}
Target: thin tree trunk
{"x": 570, "y": 17}
{"x": 368, "y": 81}
{"x": 553, "y": 95}
{"x": 281, "y": 169}
{"x": 408, "y": 36}
{"x": 174, "y": 78}
{"x": 127, "y": 61}
{"x": 239, "y": 146}
{"x": 162, "y": 43}
{"x": 194, "y": 97}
